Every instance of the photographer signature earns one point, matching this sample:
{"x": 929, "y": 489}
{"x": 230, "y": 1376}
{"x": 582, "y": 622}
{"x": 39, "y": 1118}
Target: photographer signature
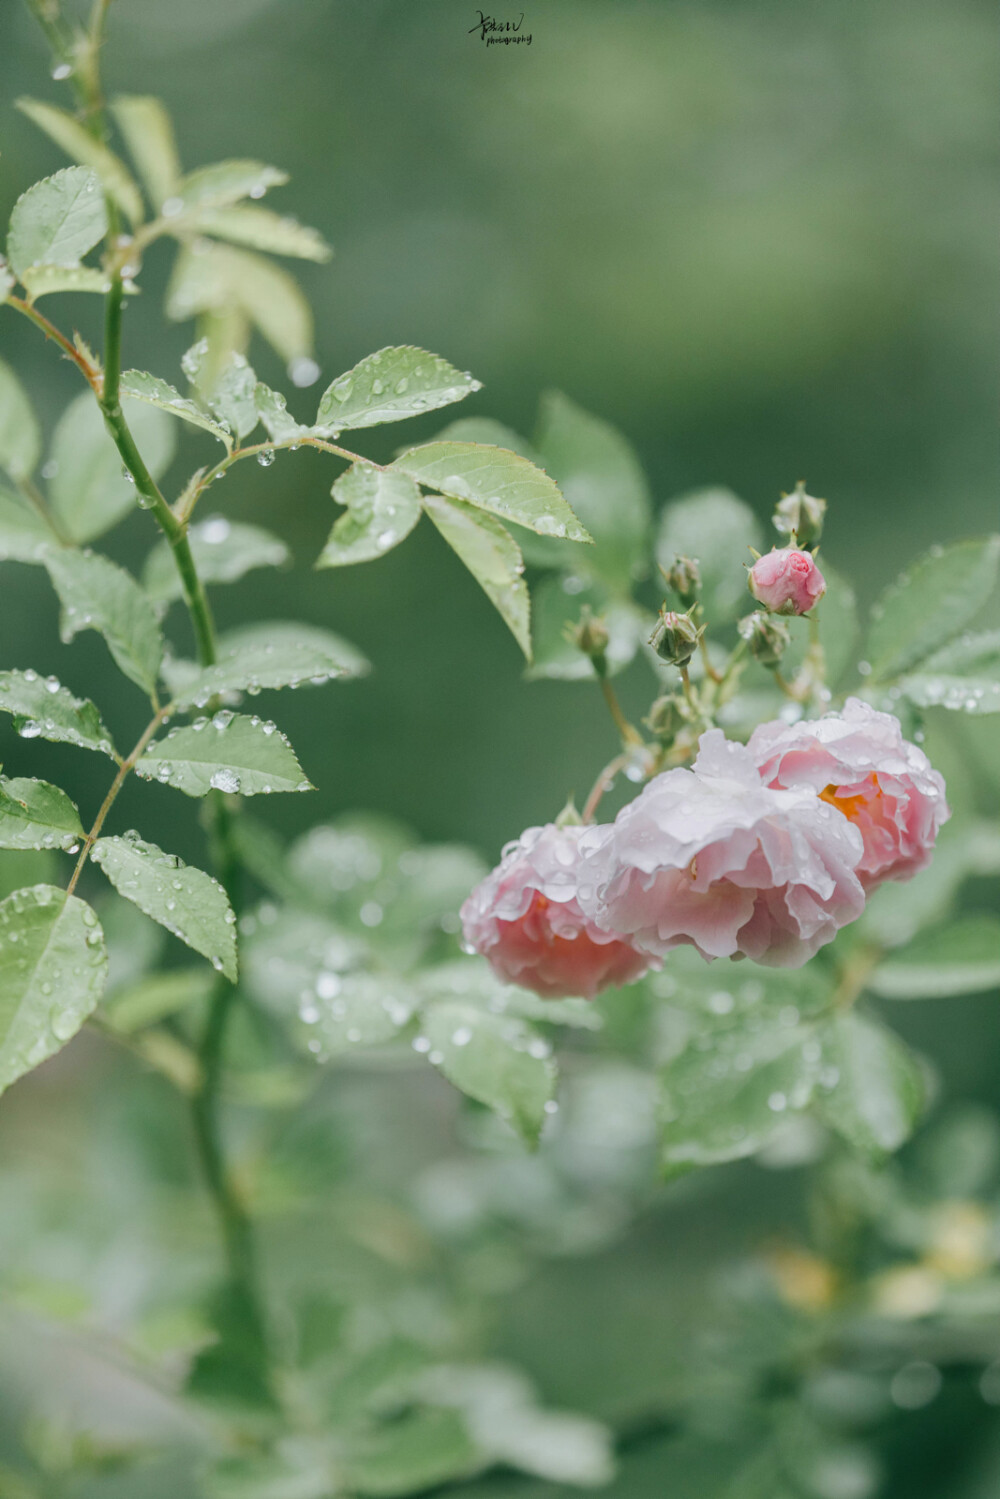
{"x": 501, "y": 33}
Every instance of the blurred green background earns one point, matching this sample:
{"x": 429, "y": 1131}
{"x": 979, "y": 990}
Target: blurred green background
{"x": 758, "y": 237}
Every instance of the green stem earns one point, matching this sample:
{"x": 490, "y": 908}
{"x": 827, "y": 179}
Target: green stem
{"x": 116, "y": 785}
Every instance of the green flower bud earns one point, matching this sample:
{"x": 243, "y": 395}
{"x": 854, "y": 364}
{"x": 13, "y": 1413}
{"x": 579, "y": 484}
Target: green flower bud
{"x": 676, "y": 637}
{"x": 766, "y": 635}
{"x": 685, "y": 579}
{"x": 591, "y": 636}
{"x": 800, "y": 516}
{"x": 666, "y": 718}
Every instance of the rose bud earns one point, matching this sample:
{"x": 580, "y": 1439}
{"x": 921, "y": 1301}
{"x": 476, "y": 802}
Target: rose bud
{"x": 858, "y": 761}
{"x": 591, "y": 636}
{"x": 800, "y": 516}
{"x": 525, "y": 920}
{"x": 685, "y": 579}
{"x": 666, "y": 718}
{"x": 676, "y": 637}
{"x": 766, "y": 635}
{"x": 786, "y": 581}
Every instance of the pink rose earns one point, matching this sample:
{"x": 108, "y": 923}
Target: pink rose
{"x": 858, "y": 761}
{"x": 786, "y": 581}
{"x": 712, "y": 857}
{"x": 524, "y": 918}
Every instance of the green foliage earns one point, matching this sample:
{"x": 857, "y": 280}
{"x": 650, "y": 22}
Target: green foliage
{"x": 228, "y": 752}
{"x": 382, "y": 510}
{"x": 491, "y": 479}
{"x": 20, "y": 440}
{"x": 57, "y": 221}
{"x": 717, "y": 530}
{"x": 42, "y": 708}
{"x": 390, "y": 386}
{"x": 34, "y": 814}
{"x": 98, "y": 595}
{"x": 149, "y": 135}
{"x": 493, "y": 558}
{"x": 495, "y": 1059}
{"x": 960, "y": 958}
{"x": 53, "y": 964}
{"x": 188, "y": 902}
{"x": 224, "y": 551}
{"x": 156, "y": 392}
{"x": 878, "y": 1089}
{"x": 78, "y": 143}
{"x": 931, "y": 603}
{"x": 88, "y": 492}
{"x": 267, "y": 655}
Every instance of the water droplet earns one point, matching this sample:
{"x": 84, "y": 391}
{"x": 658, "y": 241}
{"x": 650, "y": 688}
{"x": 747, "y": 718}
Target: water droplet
{"x": 462, "y": 1036}
{"x": 225, "y": 779}
{"x": 62, "y": 70}
{"x": 127, "y": 475}
{"x": 421, "y": 1044}
{"x": 265, "y": 457}
{"x": 303, "y": 371}
{"x": 777, "y": 1102}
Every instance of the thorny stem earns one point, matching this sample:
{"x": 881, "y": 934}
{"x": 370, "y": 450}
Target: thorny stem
{"x": 603, "y": 784}
{"x": 629, "y": 735}
{"x": 90, "y": 372}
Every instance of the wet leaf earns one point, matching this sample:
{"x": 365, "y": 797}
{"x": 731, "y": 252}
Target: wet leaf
{"x": 57, "y": 220}
{"x": 382, "y": 510}
{"x": 228, "y": 752}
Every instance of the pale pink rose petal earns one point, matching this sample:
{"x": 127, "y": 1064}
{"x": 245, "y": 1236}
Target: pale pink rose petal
{"x": 525, "y": 920}
{"x": 858, "y": 761}
{"x": 712, "y": 857}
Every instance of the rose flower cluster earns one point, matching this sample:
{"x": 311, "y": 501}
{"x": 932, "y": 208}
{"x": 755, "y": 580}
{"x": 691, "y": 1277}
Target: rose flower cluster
{"x": 763, "y": 851}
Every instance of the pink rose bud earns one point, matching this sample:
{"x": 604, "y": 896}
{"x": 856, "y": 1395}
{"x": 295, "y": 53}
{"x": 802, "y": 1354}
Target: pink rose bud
{"x": 714, "y": 858}
{"x": 858, "y": 761}
{"x": 786, "y": 581}
{"x": 525, "y": 920}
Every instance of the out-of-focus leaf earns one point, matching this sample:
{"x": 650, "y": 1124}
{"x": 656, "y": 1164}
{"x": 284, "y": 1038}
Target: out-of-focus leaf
{"x": 600, "y": 476}
{"x": 490, "y": 433}
{"x": 156, "y": 996}
{"x": 346, "y": 1012}
{"x": 46, "y": 280}
{"x": 305, "y": 1471}
{"x": 20, "y": 438}
{"x": 188, "y": 902}
{"x": 271, "y": 654}
{"x": 388, "y": 386}
{"x": 260, "y": 229}
{"x": 223, "y": 183}
{"x": 964, "y": 677}
{"x": 422, "y": 1449}
{"x": 224, "y": 551}
{"x": 493, "y": 1058}
{"x": 897, "y": 912}
{"x": 87, "y": 490}
{"x": 724, "y": 1102}
{"x": 289, "y": 956}
{"x": 382, "y": 510}
{"x": 717, "y": 530}
{"x": 43, "y": 709}
{"x": 872, "y": 1087}
{"x": 555, "y": 608}
{"x": 493, "y": 558}
{"x": 98, "y": 595}
{"x": 471, "y": 981}
{"x": 929, "y": 604}
{"x": 492, "y": 479}
{"x": 53, "y": 965}
{"x": 149, "y": 135}
{"x": 229, "y": 752}
{"x": 34, "y": 814}
{"x": 156, "y": 392}
{"x": 960, "y": 958}
{"x": 24, "y": 536}
{"x": 71, "y": 137}
{"x": 210, "y": 277}
{"x": 57, "y": 220}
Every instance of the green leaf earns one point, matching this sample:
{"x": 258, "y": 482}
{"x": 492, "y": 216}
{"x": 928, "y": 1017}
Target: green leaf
{"x": 964, "y": 676}
{"x": 272, "y": 409}
{"x": 598, "y": 472}
{"x": 42, "y": 709}
{"x": 493, "y": 558}
{"x": 872, "y": 1089}
{"x": 389, "y": 386}
{"x": 46, "y": 280}
{"x": 229, "y": 752}
{"x": 346, "y": 1012}
{"x": 472, "y": 981}
{"x": 223, "y": 183}
{"x": 382, "y": 510}
{"x": 229, "y": 391}
{"x": 156, "y": 392}
{"x": 896, "y": 912}
{"x": 416, "y": 1452}
{"x": 210, "y": 277}
{"x": 57, "y": 220}
{"x": 98, "y": 595}
{"x": 149, "y": 135}
{"x": 494, "y": 480}
{"x": 188, "y": 902}
{"x": 20, "y": 438}
{"x": 960, "y": 958}
{"x": 34, "y": 814}
{"x": 224, "y": 551}
{"x": 156, "y": 996}
{"x": 929, "y": 604}
{"x": 71, "y": 137}
{"x": 271, "y": 654}
{"x": 717, "y": 530}
{"x": 24, "y": 536}
{"x": 87, "y": 491}
{"x": 724, "y": 1103}
{"x": 490, "y": 433}
{"x": 304, "y": 1471}
{"x": 496, "y": 1059}
{"x": 295, "y": 956}
{"x": 260, "y": 229}
{"x": 555, "y": 609}
{"x": 53, "y": 966}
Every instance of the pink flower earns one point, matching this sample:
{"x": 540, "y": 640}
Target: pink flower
{"x": 524, "y": 918}
{"x": 859, "y": 762}
{"x": 712, "y": 857}
{"x": 786, "y": 581}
